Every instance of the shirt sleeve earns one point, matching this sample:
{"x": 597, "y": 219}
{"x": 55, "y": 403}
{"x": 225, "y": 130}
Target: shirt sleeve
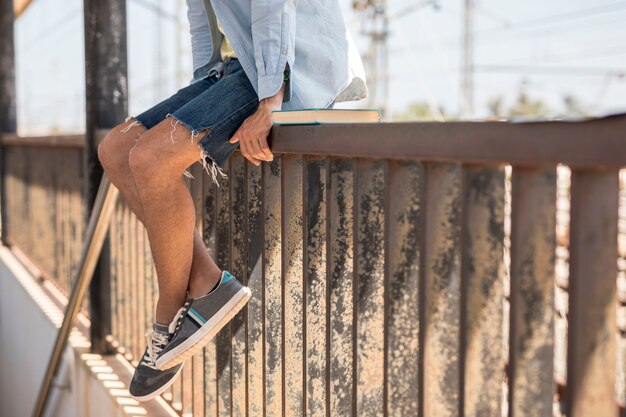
{"x": 273, "y": 38}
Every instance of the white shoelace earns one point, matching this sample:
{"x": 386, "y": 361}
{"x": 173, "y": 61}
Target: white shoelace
{"x": 178, "y": 318}
{"x": 157, "y": 341}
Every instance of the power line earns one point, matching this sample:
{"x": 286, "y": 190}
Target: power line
{"x": 583, "y": 54}
{"x": 528, "y": 26}
{"x": 541, "y": 23}
{"x": 557, "y": 70}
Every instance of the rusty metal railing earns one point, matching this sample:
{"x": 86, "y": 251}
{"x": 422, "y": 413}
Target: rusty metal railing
{"x": 375, "y": 258}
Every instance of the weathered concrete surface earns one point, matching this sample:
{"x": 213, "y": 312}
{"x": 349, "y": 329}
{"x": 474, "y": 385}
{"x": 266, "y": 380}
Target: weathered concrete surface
{"x": 255, "y": 283}
{"x": 404, "y": 239}
{"x": 316, "y": 285}
{"x": 293, "y": 278}
{"x": 239, "y": 267}
{"x": 341, "y": 286}
{"x": 483, "y": 270}
{"x": 209, "y": 226}
{"x": 441, "y": 324}
{"x": 592, "y": 295}
{"x": 272, "y": 283}
{"x": 533, "y": 242}
{"x": 370, "y": 307}
{"x": 223, "y": 338}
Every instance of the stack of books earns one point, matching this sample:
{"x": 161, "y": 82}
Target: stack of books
{"x": 324, "y": 116}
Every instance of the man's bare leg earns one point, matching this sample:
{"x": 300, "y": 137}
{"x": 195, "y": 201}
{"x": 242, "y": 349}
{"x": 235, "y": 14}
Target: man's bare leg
{"x": 113, "y": 155}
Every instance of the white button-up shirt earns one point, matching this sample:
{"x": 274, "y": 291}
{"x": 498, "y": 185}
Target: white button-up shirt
{"x": 308, "y": 36}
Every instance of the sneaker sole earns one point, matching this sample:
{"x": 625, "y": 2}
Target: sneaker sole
{"x": 160, "y": 390}
{"x": 201, "y": 337}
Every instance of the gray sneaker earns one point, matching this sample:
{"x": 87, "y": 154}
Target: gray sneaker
{"x": 148, "y": 381}
{"x": 205, "y": 316}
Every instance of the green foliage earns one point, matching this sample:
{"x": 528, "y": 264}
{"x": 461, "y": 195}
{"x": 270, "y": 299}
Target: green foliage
{"x": 419, "y": 111}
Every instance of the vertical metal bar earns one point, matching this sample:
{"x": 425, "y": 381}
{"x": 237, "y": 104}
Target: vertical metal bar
{"x": 533, "y": 230}
{"x": 8, "y": 114}
{"x": 119, "y": 280}
{"x": 239, "y": 268}
{"x": 197, "y": 362}
{"x": 209, "y": 226}
{"x": 482, "y": 277}
{"x": 402, "y": 293}
{"x": 223, "y": 337}
{"x": 129, "y": 318}
{"x": 114, "y": 235}
{"x": 370, "y": 286}
{"x": 106, "y": 101}
{"x": 592, "y": 295}
{"x": 442, "y": 310}
{"x": 315, "y": 285}
{"x": 341, "y": 286}
{"x": 272, "y": 273}
{"x": 255, "y": 283}
{"x": 293, "y": 277}
{"x": 137, "y": 322}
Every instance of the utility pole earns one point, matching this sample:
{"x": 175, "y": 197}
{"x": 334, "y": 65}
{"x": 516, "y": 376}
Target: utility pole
{"x": 467, "y": 76}
{"x": 376, "y": 27}
{"x": 376, "y": 19}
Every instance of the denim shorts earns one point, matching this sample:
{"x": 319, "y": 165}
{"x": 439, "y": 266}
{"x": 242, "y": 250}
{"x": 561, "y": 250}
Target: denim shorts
{"x": 219, "y": 102}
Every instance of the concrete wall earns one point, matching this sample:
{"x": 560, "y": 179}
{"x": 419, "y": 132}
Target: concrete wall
{"x": 90, "y": 385}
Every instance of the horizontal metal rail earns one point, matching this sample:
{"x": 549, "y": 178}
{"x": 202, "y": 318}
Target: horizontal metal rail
{"x": 594, "y": 143}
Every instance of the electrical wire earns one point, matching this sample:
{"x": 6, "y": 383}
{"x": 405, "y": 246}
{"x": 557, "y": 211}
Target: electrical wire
{"x": 557, "y": 70}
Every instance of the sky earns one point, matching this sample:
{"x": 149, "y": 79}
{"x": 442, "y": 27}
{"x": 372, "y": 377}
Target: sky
{"x": 547, "y": 49}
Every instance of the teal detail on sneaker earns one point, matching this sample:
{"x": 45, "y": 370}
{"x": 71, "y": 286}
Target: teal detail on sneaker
{"x": 196, "y": 316}
{"x": 227, "y": 276}
{"x": 205, "y": 316}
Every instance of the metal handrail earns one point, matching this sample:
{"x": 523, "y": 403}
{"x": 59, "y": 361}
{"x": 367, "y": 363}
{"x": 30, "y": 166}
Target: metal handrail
{"x": 94, "y": 239}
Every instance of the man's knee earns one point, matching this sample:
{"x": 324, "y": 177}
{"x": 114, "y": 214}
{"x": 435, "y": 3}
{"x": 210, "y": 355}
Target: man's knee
{"x": 158, "y": 156}
{"x": 142, "y": 160}
{"x": 111, "y": 154}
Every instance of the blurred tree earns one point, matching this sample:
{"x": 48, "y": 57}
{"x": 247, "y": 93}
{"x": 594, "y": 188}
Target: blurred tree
{"x": 418, "y": 111}
{"x": 573, "y": 106}
{"x": 526, "y": 106}
{"x": 496, "y": 106}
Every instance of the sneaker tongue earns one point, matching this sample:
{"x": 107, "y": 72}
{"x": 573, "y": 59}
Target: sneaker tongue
{"x": 161, "y": 328}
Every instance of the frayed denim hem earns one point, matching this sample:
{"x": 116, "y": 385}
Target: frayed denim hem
{"x": 211, "y": 167}
{"x": 134, "y": 123}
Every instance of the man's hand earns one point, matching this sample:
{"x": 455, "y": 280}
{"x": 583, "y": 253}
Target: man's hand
{"x": 252, "y": 134}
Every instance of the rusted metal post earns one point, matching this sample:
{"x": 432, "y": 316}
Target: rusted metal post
{"x": 592, "y": 295}
{"x": 482, "y": 271}
{"x": 106, "y": 101}
{"x": 533, "y": 241}
{"x": 8, "y": 118}
{"x": 442, "y": 291}
{"x": 404, "y": 229}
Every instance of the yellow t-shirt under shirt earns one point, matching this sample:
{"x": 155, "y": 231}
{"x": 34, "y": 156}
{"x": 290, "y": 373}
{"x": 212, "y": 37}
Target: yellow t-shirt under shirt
{"x": 226, "y": 49}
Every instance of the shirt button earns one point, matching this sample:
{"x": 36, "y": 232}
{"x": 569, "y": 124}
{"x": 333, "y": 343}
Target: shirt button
{"x": 284, "y": 52}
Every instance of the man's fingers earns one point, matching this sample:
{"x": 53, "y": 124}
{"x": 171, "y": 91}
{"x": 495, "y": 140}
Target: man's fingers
{"x": 235, "y": 138}
{"x": 255, "y": 150}
{"x": 265, "y": 148}
{"x": 243, "y": 146}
